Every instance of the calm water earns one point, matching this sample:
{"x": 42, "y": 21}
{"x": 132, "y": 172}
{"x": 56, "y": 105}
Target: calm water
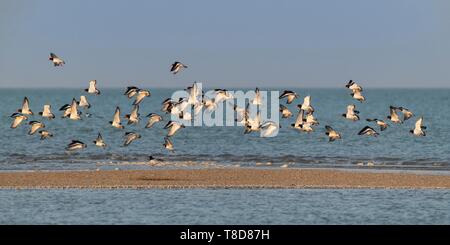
{"x": 224, "y": 206}
{"x": 395, "y": 148}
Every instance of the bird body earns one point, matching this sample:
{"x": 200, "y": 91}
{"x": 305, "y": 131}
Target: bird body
{"x": 56, "y": 60}
{"x": 176, "y": 67}
{"x": 93, "y": 88}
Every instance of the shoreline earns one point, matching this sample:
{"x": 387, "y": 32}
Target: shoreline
{"x": 236, "y": 178}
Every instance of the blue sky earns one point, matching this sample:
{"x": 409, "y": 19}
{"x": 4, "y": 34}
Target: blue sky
{"x": 383, "y": 43}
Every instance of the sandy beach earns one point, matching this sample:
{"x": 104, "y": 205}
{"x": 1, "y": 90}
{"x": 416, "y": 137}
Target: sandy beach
{"x": 221, "y": 178}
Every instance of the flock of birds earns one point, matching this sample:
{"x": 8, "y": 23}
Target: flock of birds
{"x": 197, "y": 101}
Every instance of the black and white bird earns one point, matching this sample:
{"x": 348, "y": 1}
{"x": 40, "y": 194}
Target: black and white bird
{"x": 299, "y": 120}
{"x": 353, "y": 86}
{"x": 173, "y": 127}
{"x": 407, "y": 114}
{"x": 332, "y": 134}
{"x": 368, "y": 131}
{"x": 152, "y": 119}
{"x": 131, "y": 91}
{"x": 253, "y": 124}
{"x": 209, "y": 104}
{"x": 258, "y": 98}
{"x": 168, "y": 144}
{"x": 75, "y": 145}
{"x": 383, "y": 125}
{"x": 116, "y": 119}
{"x": 18, "y": 119}
{"x": 357, "y": 95}
{"x": 45, "y": 134}
{"x": 83, "y": 103}
{"x": 130, "y": 137}
{"x": 141, "y": 94}
{"x": 93, "y": 88}
{"x": 393, "y": 116}
{"x": 66, "y": 110}
{"x": 290, "y": 95}
{"x": 74, "y": 114}
{"x": 301, "y": 124}
{"x": 25, "y": 110}
{"x": 195, "y": 94}
{"x": 419, "y": 129}
{"x": 222, "y": 95}
{"x": 311, "y": 119}
{"x": 99, "y": 141}
{"x": 285, "y": 113}
{"x": 176, "y": 67}
{"x": 47, "y": 112}
{"x": 306, "y": 106}
{"x": 167, "y": 105}
{"x": 56, "y": 60}
{"x": 133, "y": 117}
{"x": 35, "y": 126}
{"x": 351, "y": 113}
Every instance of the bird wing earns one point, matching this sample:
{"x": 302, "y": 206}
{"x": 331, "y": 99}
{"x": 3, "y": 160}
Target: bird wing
{"x": 25, "y": 105}
{"x": 299, "y": 119}
{"x": 116, "y": 118}
{"x": 418, "y": 125}
{"x": 73, "y": 109}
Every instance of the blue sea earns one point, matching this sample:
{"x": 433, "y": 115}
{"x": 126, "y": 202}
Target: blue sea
{"x": 198, "y": 147}
{"x": 395, "y": 148}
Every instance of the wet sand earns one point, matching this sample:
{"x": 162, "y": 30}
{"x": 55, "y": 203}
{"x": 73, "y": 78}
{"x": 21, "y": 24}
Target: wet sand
{"x": 220, "y": 178}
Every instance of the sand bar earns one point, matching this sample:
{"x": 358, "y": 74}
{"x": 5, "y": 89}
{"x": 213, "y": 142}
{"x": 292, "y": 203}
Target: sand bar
{"x": 220, "y": 178}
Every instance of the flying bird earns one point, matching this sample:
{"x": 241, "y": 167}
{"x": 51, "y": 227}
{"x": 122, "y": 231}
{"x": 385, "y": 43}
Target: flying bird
{"x": 311, "y": 119}
{"x": 285, "y": 113}
{"x": 419, "y": 129}
{"x": 18, "y": 119}
{"x": 357, "y": 95}
{"x": 306, "y": 106}
{"x": 47, "y": 113}
{"x": 75, "y": 145}
{"x": 393, "y": 116}
{"x": 407, "y": 114}
{"x": 351, "y": 113}
{"x": 56, "y": 60}
{"x": 383, "y": 125}
{"x": 25, "y": 107}
{"x": 253, "y": 124}
{"x": 332, "y": 134}
{"x": 74, "y": 114}
{"x": 222, "y": 95}
{"x": 116, "y": 119}
{"x": 99, "y": 141}
{"x": 152, "y": 119}
{"x": 45, "y": 134}
{"x": 66, "y": 109}
{"x": 353, "y": 86}
{"x": 130, "y": 137}
{"x": 141, "y": 94}
{"x": 173, "y": 127}
{"x": 93, "y": 88}
{"x": 290, "y": 95}
{"x": 368, "y": 131}
{"x": 258, "y": 98}
{"x": 35, "y": 126}
{"x": 133, "y": 117}
{"x": 131, "y": 91}
{"x": 168, "y": 144}
{"x": 176, "y": 67}
{"x": 84, "y": 102}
